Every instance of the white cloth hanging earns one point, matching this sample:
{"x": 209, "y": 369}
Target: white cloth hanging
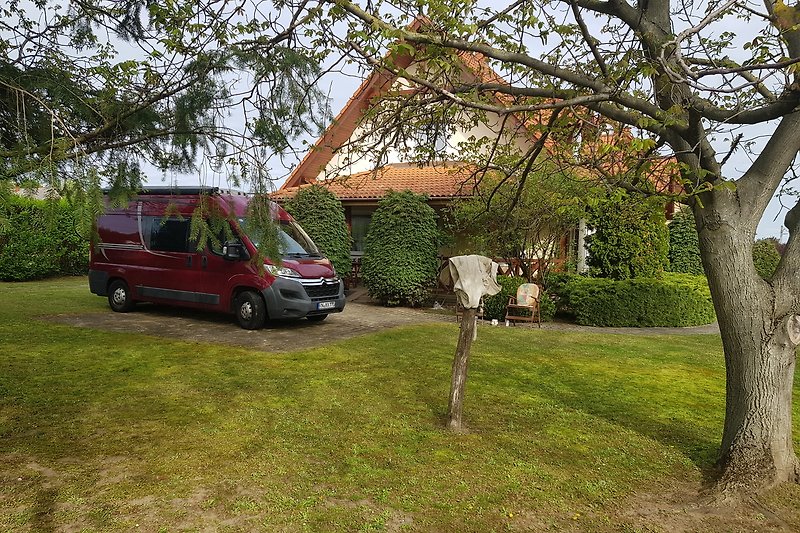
{"x": 472, "y": 277}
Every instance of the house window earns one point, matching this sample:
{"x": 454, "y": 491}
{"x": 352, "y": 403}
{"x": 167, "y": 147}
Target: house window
{"x": 440, "y": 143}
{"x": 358, "y": 229}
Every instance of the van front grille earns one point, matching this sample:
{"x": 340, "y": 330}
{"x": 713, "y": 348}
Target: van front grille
{"x": 326, "y": 290}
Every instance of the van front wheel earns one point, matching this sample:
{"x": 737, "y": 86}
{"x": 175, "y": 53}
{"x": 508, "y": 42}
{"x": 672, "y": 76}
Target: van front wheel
{"x": 119, "y": 297}
{"x": 250, "y": 310}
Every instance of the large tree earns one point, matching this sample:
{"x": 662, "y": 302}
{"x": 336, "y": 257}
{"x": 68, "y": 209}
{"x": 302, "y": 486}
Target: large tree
{"x": 701, "y": 83}
{"x": 94, "y": 93}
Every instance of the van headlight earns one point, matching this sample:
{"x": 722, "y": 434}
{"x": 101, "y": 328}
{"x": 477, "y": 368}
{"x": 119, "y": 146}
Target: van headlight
{"x": 282, "y": 271}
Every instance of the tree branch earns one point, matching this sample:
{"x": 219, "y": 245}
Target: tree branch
{"x": 784, "y": 281}
{"x": 757, "y": 186}
{"x": 595, "y": 86}
{"x": 591, "y": 42}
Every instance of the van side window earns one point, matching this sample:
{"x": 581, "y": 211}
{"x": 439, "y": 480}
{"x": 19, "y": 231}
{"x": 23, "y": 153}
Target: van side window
{"x": 170, "y": 235}
{"x": 222, "y": 235}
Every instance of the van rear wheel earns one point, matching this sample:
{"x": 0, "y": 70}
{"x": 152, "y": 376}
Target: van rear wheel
{"x": 119, "y": 297}
{"x": 250, "y": 310}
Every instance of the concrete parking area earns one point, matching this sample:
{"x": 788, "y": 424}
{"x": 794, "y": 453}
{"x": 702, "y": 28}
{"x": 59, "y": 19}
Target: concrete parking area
{"x": 358, "y": 318}
{"x": 277, "y": 336}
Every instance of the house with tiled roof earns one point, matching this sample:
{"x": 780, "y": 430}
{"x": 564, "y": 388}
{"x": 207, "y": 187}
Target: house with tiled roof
{"x": 360, "y": 192}
{"x": 339, "y": 161}
{"x": 359, "y": 168}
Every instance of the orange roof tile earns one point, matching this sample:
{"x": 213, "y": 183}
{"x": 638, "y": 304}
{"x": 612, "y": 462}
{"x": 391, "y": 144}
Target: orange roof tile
{"x": 438, "y": 182}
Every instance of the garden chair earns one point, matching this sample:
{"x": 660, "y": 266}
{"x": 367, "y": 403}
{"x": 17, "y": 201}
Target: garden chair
{"x": 524, "y": 307}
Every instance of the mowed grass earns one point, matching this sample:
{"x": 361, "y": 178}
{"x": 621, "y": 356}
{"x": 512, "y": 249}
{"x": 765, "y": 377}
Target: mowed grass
{"x": 107, "y": 431}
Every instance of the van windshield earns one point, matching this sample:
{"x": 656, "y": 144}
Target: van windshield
{"x": 294, "y": 241}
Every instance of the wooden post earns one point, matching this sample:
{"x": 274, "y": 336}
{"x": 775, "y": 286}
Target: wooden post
{"x": 460, "y": 363}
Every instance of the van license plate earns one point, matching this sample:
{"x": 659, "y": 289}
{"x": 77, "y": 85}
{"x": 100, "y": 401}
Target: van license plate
{"x": 326, "y": 305}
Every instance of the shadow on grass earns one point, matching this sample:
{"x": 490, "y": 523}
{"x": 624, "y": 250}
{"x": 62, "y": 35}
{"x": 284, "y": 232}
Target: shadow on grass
{"x": 659, "y": 396}
{"x": 215, "y": 317}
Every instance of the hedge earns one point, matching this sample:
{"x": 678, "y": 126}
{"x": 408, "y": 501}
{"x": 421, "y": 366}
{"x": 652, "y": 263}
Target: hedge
{"x": 322, "y": 216}
{"x": 674, "y": 300}
{"x": 494, "y": 307}
{"x": 556, "y": 285}
{"x": 400, "y": 250}
{"x": 39, "y": 240}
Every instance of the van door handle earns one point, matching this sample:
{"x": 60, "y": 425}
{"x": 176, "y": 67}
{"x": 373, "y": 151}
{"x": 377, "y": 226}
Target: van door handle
{"x": 205, "y": 261}
{"x": 188, "y": 260}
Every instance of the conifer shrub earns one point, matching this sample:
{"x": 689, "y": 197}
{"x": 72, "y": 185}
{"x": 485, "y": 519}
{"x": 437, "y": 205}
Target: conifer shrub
{"x": 556, "y": 284}
{"x": 684, "y": 247}
{"x": 322, "y": 216}
{"x": 631, "y": 238}
{"x": 400, "y": 262}
{"x": 766, "y": 257}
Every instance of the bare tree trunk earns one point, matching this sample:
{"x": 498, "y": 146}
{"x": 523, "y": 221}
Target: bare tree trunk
{"x": 458, "y": 381}
{"x": 756, "y": 451}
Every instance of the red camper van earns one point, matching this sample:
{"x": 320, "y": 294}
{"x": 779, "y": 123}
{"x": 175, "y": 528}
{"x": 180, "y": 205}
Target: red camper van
{"x": 145, "y": 253}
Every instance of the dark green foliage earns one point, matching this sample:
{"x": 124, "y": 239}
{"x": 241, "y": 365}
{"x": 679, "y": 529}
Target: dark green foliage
{"x": 322, "y": 216}
{"x": 525, "y": 224}
{"x": 82, "y": 111}
{"x": 400, "y": 256}
{"x": 766, "y": 257}
{"x": 556, "y": 286}
{"x": 684, "y": 248}
{"x": 631, "y": 238}
{"x": 674, "y": 300}
{"x": 494, "y": 307}
{"x": 39, "y": 239}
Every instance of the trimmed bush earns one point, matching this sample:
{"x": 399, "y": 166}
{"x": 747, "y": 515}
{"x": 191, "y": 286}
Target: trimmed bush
{"x": 631, "y": 238}
{"x": 322, "y": 216}
{"x": 766, "y": 257}
{"x": 40, "y": 240}
{"x": 400, "y": 250}
{"x": 684, "y": 247}
{"x": 674, "y": 300}
{"x": 556, "y": 283}
{"x": 494, "y": 307}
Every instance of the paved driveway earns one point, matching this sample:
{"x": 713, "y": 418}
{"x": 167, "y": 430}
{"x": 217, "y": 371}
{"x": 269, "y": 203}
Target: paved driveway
{"x": 280, "y": 336}
{"x": 358, "y": 318}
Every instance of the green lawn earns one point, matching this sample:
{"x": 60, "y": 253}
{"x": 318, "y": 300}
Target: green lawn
{"x": 107, "y": 431}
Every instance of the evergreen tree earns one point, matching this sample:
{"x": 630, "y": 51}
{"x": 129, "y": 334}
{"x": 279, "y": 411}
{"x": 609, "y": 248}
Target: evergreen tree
{"x": 321, "y": 214}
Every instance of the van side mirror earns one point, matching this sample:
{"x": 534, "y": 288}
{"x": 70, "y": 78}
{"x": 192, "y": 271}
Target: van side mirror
{"x": 234, "y": 251}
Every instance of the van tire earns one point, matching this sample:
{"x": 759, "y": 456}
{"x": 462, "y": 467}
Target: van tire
{"x": 250, "y": 310}
{"x": 119, "y": 297}
{"x": 317, "y": 318}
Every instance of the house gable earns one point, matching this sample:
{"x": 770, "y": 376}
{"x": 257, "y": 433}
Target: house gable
{"x": 342, "y": 150}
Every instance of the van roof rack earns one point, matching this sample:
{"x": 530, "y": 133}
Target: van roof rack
{"x": 179, "y": 190}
